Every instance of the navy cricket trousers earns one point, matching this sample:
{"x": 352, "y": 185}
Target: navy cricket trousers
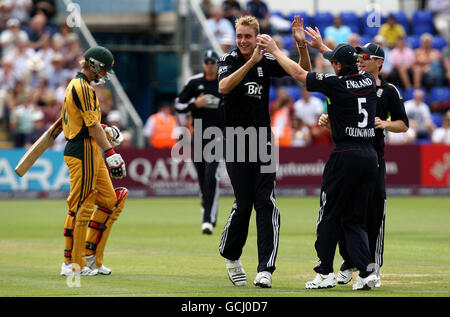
{"x": 347, "y": 185}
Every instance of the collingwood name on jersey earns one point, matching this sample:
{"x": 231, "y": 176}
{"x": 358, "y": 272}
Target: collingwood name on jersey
{"x": 360, "y": 132}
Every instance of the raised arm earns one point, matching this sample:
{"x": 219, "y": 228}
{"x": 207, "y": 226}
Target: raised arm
{"x": 298, "y": 33}
{"x": 291, "y": 67}
{"x": 316, "y": 40}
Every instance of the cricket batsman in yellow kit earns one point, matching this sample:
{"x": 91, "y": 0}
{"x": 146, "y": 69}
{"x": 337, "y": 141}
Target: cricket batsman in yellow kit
{"x": 86, "y": 230}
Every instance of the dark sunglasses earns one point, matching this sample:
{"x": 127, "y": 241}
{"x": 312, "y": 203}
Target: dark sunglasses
{"x": 210, "y": 62}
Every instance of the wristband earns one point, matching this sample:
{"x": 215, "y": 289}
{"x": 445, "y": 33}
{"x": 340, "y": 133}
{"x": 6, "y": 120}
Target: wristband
{"x": 109, "y": 152}
{"x": 304, "y": 45}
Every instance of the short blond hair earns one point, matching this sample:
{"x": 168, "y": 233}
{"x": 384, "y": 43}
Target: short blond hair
{"x": 250, "y": 21}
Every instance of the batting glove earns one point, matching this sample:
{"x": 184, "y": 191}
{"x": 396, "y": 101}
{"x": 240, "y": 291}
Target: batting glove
{"x": 114, "y": 135}
{"x": 116, "y": 164}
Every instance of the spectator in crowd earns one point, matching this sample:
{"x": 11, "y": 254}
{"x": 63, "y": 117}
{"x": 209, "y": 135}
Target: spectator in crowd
{"x": 20, "y": 10}
{"x": 46, "y": 52}
{"x": 338, "y": 32}
{"x": 354, "y": 40}
{"x": 320, "y": 135}
{"x": 281, "y": 125}
{"x": 7, "y": 74}
{"x": 408, "y": 137}
{"x": 441, "y": 135}
{"x": 206, "y": 6}
{"x": 114, "y": 118}
{"x": 387, "y": 62}
{"x": 427, "y": 68}
{"x": 38, "y": 128}
{"x": 392, "y": 31}
{"x": 38, "y": 31}
{"x": 159, "y": 126}
{"x": 227, "y": 43}
{"x": 441, "y": 15}
{"x": 323, "y": 65}
{"x": 105, "y": 98}
{"x": 56, "y": 73}
{"x": 231, "y": 10}
{"x": 34, "y": 72}
{"x": 308, "y": 107}
{"x": 446, "y": 61}
{"x": 418, "y": 110}
{"x": 403, "y": 58}
{"x": 5, "y": 8}
{"x": 22, "y": 121}
{"x": 46, "y": 7}
{"x": 301, "y": 135}
{"x": 10, "y": 36}
{"x": 73, "y": 52}
{"x": 51, "y": 108}
{"x": 260, "y": 10}
{"x": 282, "y": 99}
{"x": 218, "y": 25}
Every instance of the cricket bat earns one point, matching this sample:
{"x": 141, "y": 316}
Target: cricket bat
{"x": 39, "y": 147}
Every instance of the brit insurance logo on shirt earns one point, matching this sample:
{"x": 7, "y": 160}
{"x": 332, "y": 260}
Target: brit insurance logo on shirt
{"x": 253, "y": 90}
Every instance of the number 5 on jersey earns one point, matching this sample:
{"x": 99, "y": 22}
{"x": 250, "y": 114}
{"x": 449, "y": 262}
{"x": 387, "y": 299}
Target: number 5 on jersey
{"x": 363, "y": 123}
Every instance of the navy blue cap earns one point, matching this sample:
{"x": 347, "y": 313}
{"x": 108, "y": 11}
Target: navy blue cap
{"x": 371, "y": 49}
{"x": 343, "y": 53}
{"x": 210, "y": 54}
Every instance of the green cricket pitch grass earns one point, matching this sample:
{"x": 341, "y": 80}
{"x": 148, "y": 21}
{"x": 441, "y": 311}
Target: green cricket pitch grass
{"x": 156, "y": 249}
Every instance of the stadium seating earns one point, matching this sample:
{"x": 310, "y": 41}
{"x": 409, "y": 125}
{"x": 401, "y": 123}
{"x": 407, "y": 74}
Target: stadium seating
{"x": 302, "y": 14}
{"x": 288, "y": 41}
{"x": 437, "y": 119}
{"x": 319, "y": 95}
{"x": 439, "y": 42}
{"x": 413, "y": 41}
{"x": 422, "y": 22}
{"x": 409, "y": 93}
{"x": 322, "y": 20}
{"x": 272, "y": 94}
{"x": 351, "y": 20}
{"x": 439, "y": 94}
{"x": 294, "y": 92}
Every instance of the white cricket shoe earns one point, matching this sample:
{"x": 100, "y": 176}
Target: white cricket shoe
{"x": 365, "y": 283}
{"x": 343, "y": 277}
{"x": 90, "y": 262}
{"x": 322, "y": 281}
{"x": 379, "y": 280}
{"x": 66, "y": 269}
{"x": 263, "y": 279}
{"x": 207, "y": 228}
{"x": 236, "y": 273}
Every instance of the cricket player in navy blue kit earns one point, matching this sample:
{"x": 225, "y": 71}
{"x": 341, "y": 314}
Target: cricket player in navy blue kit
{"x": 389, "y": 105}
{"x": 349, "y": 176}
{"x": 201, "y": 97}
{"x": 244, "y": 79}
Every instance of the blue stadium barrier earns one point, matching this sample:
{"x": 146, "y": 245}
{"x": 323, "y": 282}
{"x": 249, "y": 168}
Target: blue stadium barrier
{"x": 319, "y": 95}
{"x": 364, "y": 39}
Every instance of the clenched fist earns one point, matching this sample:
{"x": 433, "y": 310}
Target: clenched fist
{"x": 116, "y": 164}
